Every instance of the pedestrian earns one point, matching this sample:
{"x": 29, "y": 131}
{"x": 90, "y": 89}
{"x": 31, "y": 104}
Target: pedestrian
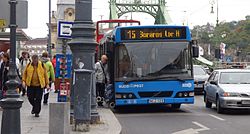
{"x": 24, "y": 60}
{"x": 4, "y": 73}
{"x": 35, "y": 77}
{"x": 1, "y": 58}
{"x": 51, "y": 75}
{"x": 54, "y": 62}
{"x": 102, "y": 77}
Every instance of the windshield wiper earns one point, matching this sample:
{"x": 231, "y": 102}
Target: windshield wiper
{"x": 136, "y": 79}
{"x": 145, "y": 78}
{"x": 162, "y": 72}
{"x": 245, "y": 83}
{"x": 170, "y": 77}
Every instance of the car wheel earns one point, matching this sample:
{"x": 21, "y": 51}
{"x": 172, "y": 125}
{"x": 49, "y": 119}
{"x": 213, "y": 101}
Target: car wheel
{"x": 207, "y": 102}
{"x": 175, "y": 106}
{"x": 218, "y": 106}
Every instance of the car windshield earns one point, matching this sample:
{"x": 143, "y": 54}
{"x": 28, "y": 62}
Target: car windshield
{"x": 145, "y": 59}
{"x": 235, "y": 78}
{"x": 199, "y": 70}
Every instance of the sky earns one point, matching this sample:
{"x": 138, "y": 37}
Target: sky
{"x": 187, "y": 12}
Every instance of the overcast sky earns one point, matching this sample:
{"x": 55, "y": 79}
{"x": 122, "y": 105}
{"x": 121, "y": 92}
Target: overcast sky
{"x": 189, "y": 12}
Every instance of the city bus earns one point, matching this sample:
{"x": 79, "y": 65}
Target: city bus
{"x": 150, "y": 65}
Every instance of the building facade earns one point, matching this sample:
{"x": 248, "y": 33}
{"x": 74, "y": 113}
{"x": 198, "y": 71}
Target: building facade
{"x": 35, "y": 46}
{"x": 65, "y": 12}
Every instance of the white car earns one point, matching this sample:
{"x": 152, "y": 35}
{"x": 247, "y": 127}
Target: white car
{"x": 228, "y": 88}
{"x": 247, "y": 67}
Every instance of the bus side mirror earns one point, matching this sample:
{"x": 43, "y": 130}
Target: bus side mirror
{"x": 195, "y": 51}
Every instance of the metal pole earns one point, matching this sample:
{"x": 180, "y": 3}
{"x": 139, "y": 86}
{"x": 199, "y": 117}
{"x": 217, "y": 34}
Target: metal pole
{"x": 83, "y": 46}
{"x": 217, "y": 20}
{"x": 12, "y": 103}
{"x": 49, "y": 36}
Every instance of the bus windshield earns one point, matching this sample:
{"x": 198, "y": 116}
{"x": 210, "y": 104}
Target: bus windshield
{"x": 147, "y": 59}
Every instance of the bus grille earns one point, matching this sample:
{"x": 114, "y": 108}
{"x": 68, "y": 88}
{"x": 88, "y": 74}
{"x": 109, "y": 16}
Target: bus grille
{"x": 155, "y": 94}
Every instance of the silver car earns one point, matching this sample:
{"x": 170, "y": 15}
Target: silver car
{"x": 200, "y": 77}
{"x": 228, "y": 88}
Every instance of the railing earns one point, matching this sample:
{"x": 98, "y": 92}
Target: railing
{"x": 139, "y": 1}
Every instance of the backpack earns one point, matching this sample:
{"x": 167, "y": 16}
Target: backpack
{"x": 21, "y": 61}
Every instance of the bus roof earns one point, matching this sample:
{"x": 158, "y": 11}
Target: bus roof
{"x": 117, "y": 21}
{"x": 152, "y": 33}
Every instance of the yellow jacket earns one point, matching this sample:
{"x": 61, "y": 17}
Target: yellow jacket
{"x": 41, "y": 71}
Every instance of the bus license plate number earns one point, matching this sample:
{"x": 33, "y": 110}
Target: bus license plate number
{"x": 156, "y": 101}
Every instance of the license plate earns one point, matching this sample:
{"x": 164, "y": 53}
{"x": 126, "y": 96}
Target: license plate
{"x": 199, "y": 85}
{"x": 156, "y": 101}
{"x": 245, "y": 102}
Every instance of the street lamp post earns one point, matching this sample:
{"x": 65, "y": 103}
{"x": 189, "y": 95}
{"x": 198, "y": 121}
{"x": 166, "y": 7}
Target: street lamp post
{"x": 49, "y": 35}
{"x": 217, "y": 17}
{"x": 12, "y": 103}
{"x": 83, "y": 46}
{"x": 217, "y": 10}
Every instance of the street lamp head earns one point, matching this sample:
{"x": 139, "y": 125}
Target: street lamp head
{"x": 212, "y": 10}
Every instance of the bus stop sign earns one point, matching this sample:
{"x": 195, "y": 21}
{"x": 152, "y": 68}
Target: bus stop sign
{"x": 64, "y": 29}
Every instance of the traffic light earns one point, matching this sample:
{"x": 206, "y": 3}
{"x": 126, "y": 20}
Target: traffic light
{"x": 53, "y": 46}
{"x": 217, "y": 53}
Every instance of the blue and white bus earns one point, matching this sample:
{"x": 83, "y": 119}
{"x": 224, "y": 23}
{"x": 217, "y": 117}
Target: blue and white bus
{"x": 150, "y": 65}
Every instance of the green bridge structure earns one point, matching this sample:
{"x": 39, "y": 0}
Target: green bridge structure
{"x": 155, "y": 8}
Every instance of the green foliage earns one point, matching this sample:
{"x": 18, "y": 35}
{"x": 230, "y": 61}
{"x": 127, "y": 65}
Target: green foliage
{"x": 235, "y": 34}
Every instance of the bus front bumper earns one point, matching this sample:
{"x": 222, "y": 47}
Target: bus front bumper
{"x": 150, "y": 101}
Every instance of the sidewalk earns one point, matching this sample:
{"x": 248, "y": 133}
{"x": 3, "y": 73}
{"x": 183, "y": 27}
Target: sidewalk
{"x": 40, "y": 125}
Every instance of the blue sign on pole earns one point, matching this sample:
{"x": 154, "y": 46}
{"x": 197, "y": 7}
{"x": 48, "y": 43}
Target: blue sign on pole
{"x": 229, "y": 58}
{"x": 64, "y": 29}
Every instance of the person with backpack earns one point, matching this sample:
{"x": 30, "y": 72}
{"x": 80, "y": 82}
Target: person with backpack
{"x": 102, "y": 77}
{"x": 35, "y": 77}
{"x": 24, "y": 60}
{"x": 51, "y": 75}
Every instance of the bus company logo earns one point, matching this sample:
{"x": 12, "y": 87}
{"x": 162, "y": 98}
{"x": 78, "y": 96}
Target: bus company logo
{"x": 131, "y": 86}
{"x": 187, "y": 85}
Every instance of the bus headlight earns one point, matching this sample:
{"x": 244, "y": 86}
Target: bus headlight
{"x": 118, "y": 96}
{"x": 180, "y": 94}
{"x": 130, "y": 96}
{"x": 191, "y": 94}
{"x": 185, "y": 94}
{"x": 124, "y": 96}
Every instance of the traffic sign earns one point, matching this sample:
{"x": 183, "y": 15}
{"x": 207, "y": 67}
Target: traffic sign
{"x": 21, "y": 13}
{"x": 64, "y": 29}
{"x": 2, "y": 23}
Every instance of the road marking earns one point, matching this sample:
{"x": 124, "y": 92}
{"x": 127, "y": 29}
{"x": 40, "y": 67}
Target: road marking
{"x": 216, "y": 117}
{"x": 193, "y": 131}
{"x": 203, "y": 128}
{"x": 186, "y": 131}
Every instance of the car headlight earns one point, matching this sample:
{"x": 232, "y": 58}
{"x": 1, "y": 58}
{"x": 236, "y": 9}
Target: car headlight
{"x": 230, "y": 94}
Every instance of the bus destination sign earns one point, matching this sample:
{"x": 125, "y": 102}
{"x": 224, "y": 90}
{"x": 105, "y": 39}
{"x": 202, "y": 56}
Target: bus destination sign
{"x": 153, "y": 33}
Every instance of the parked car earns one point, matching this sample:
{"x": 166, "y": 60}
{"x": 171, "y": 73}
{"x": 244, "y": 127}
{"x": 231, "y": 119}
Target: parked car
{"x": 228, "y": 88}
{"x": 200, "y": 76}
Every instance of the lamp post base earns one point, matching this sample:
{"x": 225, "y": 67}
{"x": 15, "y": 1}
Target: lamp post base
{"x": 11, "y": 115}
{"x": 81, "y": 126}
